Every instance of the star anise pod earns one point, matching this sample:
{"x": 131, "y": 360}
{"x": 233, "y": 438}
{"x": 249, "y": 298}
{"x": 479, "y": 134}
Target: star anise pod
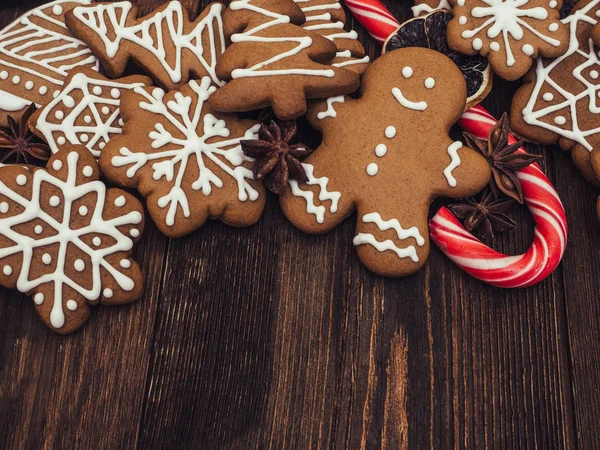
{"x": 276, "y": 160}
{"x": 486, "y": 213}
{"x": 503, "y": 159}
{"x": 19, "y": 145}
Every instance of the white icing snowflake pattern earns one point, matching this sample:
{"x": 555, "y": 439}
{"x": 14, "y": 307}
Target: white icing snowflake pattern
{"x": 553, "y": 117}
{"x": 171, "y": 155}
{"x": 53, "y": 222}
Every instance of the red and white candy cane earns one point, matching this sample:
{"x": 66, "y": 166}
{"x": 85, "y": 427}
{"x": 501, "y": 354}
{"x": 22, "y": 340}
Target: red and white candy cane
{"x": 485, "y": 263}
{"x": 377, "y": 20}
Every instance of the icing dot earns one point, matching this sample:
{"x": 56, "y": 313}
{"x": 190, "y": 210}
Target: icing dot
{"x": 460, "y": 2}
{"x": 84, "y": 138}
{"x": 477, "y": 44}
{"x": 57, "y": 164}
{"x": 121, "y": 123}
{"x": 134, "y": 232}
{"x": 462, "y": 20}
{"x": 108, "y": 293}
{"x": 101, "y": 145}
{"x": 115, "y": 93}
{"x": 553, "y": 4}
{"x": 72, "y": 305}
{"x": 372, "y": 169}
{"x": 61, "y": 140}
{"x": 105, "y": 110}
{"x": 553, "y": 27}
{"x": 43, "y": 90}
{"x": 120, "y": 201}
{"x": 29, "y": 85}
{"x": 88, "y": 171}
{"x": 97, "y": 241}
{"x": 38, "y": 229}
{"x": 494, "y": 46}
{"x": 21, "y": 180}
{"x": 55, "y": 94}
{"x": 3, "y": 207}
{"x": 560, "y": 120}
{"x": 16, "y": 79}
{"x": 46, "y": 259}
{"x": 429, "y": 83}
{"x": 548, "y": 96}
{"x": 125, "y": 263}
{"x": 390, "y": 132}
{"x": 59, "y": 114}
{"x": 7, "y": 270}
{"x": 69, "y": 101}
{"x": 79, "y": 265}
{"x": 97, "y": 90}
{"x": 4, "y": 74}
{"x": 527, "y": 49}
{"x": 38, "y": 298}
{"x": 54, "y": 201}
{"x": 87, "y": 119}
{"x": 407, "y": 72}
{"x": 57, "y": 10}
{"x": 83, "y": 210}
{"x": 594, "y": 74}
{"x": 381, "y": 150}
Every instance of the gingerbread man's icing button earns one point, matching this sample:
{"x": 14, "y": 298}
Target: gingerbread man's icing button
{"x": 388, "y": 166}
{"x": 511, "y": 33}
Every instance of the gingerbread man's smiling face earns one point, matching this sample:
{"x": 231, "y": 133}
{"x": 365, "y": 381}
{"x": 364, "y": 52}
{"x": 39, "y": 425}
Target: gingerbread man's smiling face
{"x": 387, "y": 155}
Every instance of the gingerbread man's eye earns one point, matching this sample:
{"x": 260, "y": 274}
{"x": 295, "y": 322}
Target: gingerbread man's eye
{"x": 407, "y": 72}
{"x": 429, "y": 83}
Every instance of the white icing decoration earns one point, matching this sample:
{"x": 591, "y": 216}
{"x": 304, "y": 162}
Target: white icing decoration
{"x": 462, "y": 20}
{"x": 495, "y": 47}
{"x": 38, "y": 229}
{"x": 87, "y": 171}
{"x": 390, "y": 132}
{"x": 251, "y": 35}
{"x": 134, "y": 233}
{"x": 417, "y": 10}
{"x": 192, "y": 139}
{"x": 571, "y": 92}
{"x": 7, "y": 270}
{"x": 120, "y": 201}
{"x": 594, "y": 74}
{"x": 83, "y": 210}
{"x": 528, "y": 49}
{"x": 97, "y": 241}
{"x": 182, "y": 47}
{"x": 330, "y": 111}
{"x": 455, "y": 162}
{"x": 65, "y": 236}
{"x": 38, "y": 298}
{"x": 125, "y": 263}
{"x": 507, "y": 17}
{"x": 48, "y": 67}
{"x": 324, "y": 195}
{"x": 372, "y": 169}
{"x": 100, "y": 128}
{"x": 72, "y": 305}
{"x": 79, "y": 265}
{"x": 553, "y": 27}
{"x": 416, "y": 106}
{"x": 553, "y": 4}
{"x": 108, "y": 293}
{"x": 54, "y": 201}
{"x": 21, "y": 180}
{"x": 57, "y": 164}
{"x": 381, "y": 150}
{"x": 4, "y": 207}
{"x": 560, "y": 120}
{"x": 115, "y": 93}
{"x": 429, "y": 83}
{"x": 407, "y": 72}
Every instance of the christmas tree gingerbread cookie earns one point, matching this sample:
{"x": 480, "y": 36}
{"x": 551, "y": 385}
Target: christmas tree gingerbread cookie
{"x": 185, "y": 159}
{"x": 559, "y": 102}
{"x": 510, "y": 33}
{"x": 274, "y": 62}
{"x": 65, "y": 239}
{"x": 386, "y": 156}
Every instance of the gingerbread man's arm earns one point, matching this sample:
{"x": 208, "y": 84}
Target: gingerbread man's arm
{"x": 321, "y": 113}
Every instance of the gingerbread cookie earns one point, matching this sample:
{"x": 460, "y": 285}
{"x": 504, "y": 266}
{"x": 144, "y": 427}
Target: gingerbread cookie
{"x": 388, "y": 167}
{"x": 186, "y": 160}
{"x": 85, "y": 111}
{"x": 36, "y": 53}
{"x": 559, "y": 101}
{"x": 327, "y": 18}
{"x": 426, "y": 6}
{"x": 510, "y": 33}
{"x": 65, "y": 238}
{"x": 273, "y": 62}
{"x": 165, "y": 43}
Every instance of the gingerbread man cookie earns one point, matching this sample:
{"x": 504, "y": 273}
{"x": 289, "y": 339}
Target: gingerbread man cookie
{"x": 273, "y": 62}
{"x": 510, "y": 33}
{"x": 36, "y": 53}
{"x": 65, "y": 238}
{"x": 85, "y": 111}
{"x": 387, "y": 155}
{"x": 559, "y": 101}
{"x": 185, "y": 159}
{"x": 165, "y": 43}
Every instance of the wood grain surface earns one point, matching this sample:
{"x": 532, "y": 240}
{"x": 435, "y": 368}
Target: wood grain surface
{"x": 266, "y": 338}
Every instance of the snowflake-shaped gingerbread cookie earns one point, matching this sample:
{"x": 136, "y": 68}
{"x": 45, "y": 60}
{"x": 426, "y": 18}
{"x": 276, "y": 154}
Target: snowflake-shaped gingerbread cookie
{"x": 511, "y": 33}
{"x": 386, "y": 156}
{"x": 185, "y": 159}
{"x": 65, "y": 238}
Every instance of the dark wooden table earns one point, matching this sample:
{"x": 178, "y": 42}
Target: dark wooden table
{"x": 265, "y": 338}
